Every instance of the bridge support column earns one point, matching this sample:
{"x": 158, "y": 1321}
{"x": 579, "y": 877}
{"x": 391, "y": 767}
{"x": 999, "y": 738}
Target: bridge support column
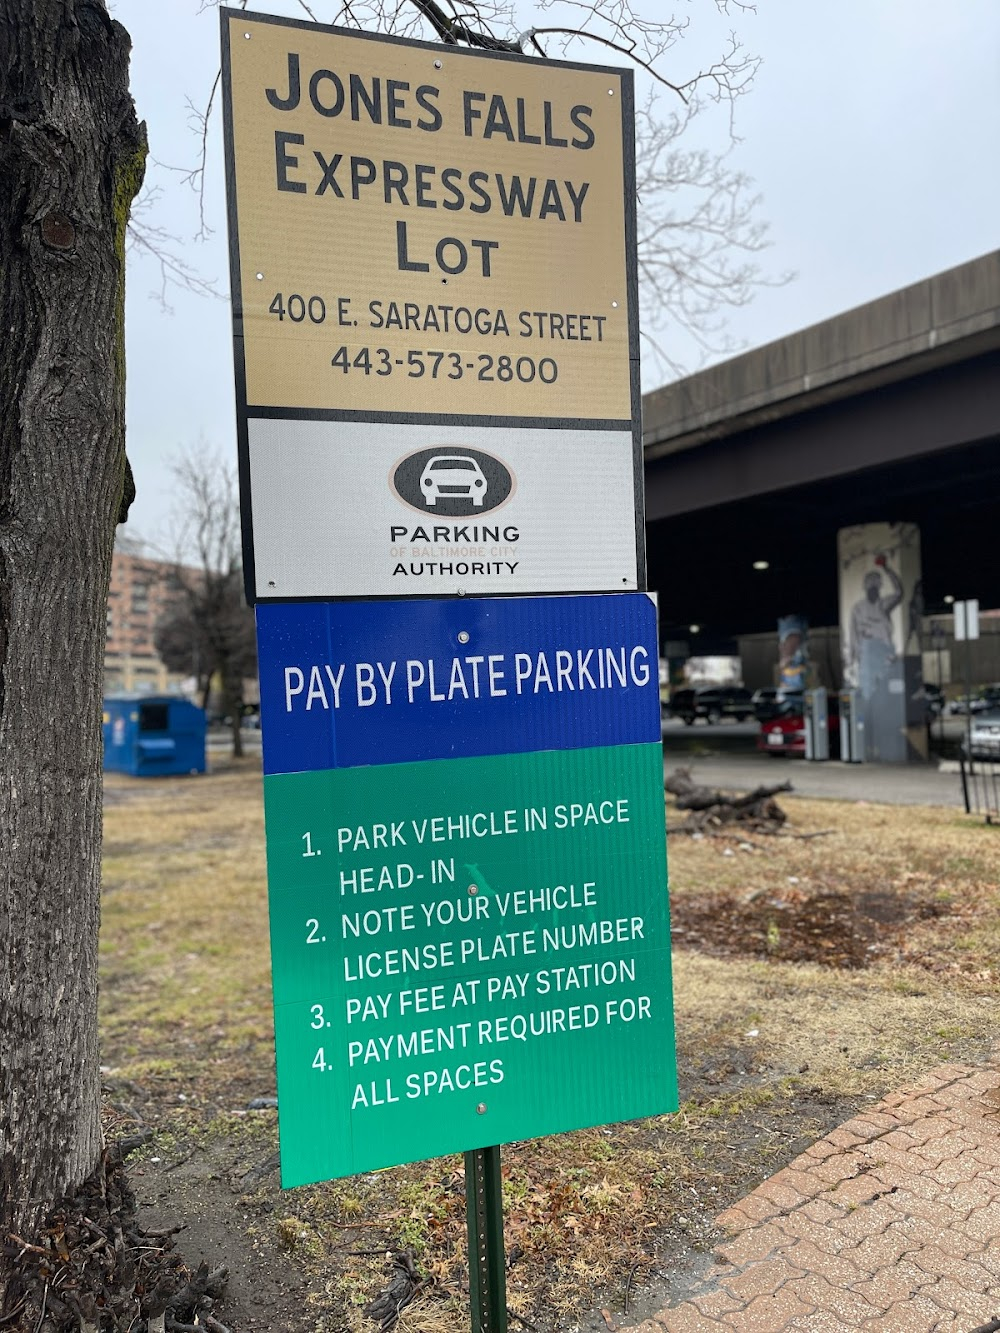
{"x": 881, "y": 607}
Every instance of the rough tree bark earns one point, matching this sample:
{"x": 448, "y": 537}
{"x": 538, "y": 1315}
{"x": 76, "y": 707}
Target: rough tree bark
{"x": 71, "y": 160}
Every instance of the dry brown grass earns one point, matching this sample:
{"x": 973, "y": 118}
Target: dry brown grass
{"x": 771, "y": 1054}
{"x": 185, "y": 963}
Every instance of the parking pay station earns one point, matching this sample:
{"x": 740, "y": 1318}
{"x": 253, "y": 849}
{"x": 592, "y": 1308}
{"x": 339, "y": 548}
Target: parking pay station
{"x": 852, "y": 728}
{"x": 816, "y": 724}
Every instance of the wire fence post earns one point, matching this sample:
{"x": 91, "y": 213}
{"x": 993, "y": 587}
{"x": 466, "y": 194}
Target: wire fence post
{"x": 968, "y": 697}
{"x": 965, "y": 783}
{"x": 487, "y": 1266}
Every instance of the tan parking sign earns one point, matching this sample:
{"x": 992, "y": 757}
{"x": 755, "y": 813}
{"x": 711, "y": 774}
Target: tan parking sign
{"x": 422, "y": 230}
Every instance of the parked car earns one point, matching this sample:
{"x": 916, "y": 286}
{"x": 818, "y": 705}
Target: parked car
{"x": 787, "y": 703}
{"x": 681, "y": 704}
{"x": 786, "y": 733}
{"x": 765, "y": 703}
{"x": 933, "y": 700}
{"x": 983, "y": 738}
{"x": 731, "y": 701}
{"x": 712, "y": 703}
{"x": 976, "y": 703}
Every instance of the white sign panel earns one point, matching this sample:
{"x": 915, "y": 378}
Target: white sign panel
{"x": 435, "y": 317}
{"x": 368, "y": 509}
{"x": 967, "y": 620}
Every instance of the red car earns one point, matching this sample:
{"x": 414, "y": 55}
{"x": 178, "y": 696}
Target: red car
{"x": 786, "y": 733}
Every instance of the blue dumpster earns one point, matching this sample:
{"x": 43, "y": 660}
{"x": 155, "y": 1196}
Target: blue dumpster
{"x": 152, "y": 735}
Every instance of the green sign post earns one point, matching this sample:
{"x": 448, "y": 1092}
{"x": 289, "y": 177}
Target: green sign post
{"x": 484, "y": 1215}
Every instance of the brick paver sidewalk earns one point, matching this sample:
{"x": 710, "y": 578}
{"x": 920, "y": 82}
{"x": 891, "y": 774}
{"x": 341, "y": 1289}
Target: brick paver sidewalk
{"x": 891, "y": 1224}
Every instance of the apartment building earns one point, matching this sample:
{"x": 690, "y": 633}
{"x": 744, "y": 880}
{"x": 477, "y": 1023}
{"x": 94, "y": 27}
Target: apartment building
{"x": 141, "y": 590}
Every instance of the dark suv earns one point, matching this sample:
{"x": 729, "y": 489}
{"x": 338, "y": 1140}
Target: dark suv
{"x": 713, "y": 703}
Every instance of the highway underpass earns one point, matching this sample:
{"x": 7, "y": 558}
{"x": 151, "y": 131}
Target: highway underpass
{"x": 889, "y": 412}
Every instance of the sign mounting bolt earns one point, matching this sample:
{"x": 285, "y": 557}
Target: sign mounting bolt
{"x": 463, "y": 636}
{"x": 473, "y": 889}
{"x": 481, "y": 1109}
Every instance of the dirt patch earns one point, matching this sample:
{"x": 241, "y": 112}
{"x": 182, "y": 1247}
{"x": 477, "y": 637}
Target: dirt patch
{"x": 200, "y": 1179}
{"x": 834, "y": 929}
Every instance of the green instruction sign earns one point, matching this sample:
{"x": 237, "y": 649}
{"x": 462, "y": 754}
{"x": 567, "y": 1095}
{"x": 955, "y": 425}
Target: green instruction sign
{"x": 466, "y": 952}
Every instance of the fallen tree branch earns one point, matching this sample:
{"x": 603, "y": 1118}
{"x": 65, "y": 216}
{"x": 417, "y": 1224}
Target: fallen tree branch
{"x": 705, "y": 798}
{"x": 803, "y": 837}
{"x": 405, "y": 1284}
{"x": 710, "y": 810}
{"x": 512, "y": 1314}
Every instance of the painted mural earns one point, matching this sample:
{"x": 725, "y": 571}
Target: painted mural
{"x": 881, "y": 604}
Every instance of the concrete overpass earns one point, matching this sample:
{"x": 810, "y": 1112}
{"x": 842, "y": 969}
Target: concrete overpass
{"x": 888, "y": 412}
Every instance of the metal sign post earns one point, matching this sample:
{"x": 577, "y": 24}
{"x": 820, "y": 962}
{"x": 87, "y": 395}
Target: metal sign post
{"x": 487, "y": 1265}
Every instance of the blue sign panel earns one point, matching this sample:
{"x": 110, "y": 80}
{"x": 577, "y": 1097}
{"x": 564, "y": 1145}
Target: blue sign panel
{"x": 346, "y": 684}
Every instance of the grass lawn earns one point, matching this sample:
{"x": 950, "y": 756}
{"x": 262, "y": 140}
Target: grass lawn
{"x": 810, "y": 974}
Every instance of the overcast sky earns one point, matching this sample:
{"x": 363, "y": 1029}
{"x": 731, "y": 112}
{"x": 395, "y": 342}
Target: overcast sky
{"x": 871, "y": 133}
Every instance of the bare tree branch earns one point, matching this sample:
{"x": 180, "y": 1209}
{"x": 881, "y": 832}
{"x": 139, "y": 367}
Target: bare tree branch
{"x": 453, "y": 30}
{"x": 146, "y": 238}
{"x": 208, "y": 578}
{"x": 700, "y": 234}
{"x": 627, "y": 48}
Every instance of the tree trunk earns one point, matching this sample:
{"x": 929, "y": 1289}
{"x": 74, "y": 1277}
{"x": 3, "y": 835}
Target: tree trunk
{"x": 71, "y": 160}
{"x": 232, "y": 705}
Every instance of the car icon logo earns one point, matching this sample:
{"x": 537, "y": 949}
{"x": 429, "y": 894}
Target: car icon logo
{"x": 451, "y": 480}
{"x": 452, "y": 476}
